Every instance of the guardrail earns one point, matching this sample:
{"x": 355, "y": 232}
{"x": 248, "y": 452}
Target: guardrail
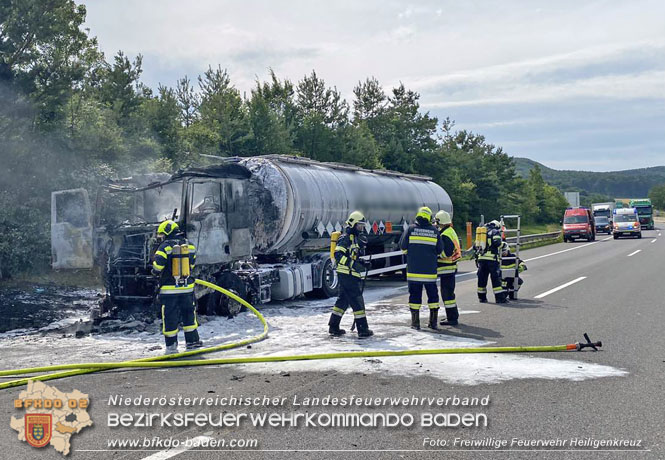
{"x": 526, "y": 239}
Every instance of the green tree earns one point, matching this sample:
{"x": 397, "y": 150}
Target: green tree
{"x": 224, "y": 120}
{"x": 657, "y": 196}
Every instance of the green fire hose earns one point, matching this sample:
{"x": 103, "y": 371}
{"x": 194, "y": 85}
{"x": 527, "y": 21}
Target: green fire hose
{"x": 165, "y": 361}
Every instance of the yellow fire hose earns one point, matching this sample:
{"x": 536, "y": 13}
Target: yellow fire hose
{"x": 227, "y": 346}
{"x": 161, "y": 361}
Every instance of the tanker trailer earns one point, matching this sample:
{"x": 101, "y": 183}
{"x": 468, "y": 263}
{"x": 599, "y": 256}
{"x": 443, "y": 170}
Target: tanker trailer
{"x": 262, "y": 226}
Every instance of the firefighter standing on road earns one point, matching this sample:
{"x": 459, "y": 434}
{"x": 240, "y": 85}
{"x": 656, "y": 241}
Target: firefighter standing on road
{"x": 173, "y": 262}
{"x": 447, "y": 266}
{"x": 489, "y": 264}
{"x": 351, "y": 271}
{"x": 422, "y": 245}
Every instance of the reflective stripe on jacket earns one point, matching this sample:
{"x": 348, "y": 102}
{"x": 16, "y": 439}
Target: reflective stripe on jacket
{"x": 422, "y": 244}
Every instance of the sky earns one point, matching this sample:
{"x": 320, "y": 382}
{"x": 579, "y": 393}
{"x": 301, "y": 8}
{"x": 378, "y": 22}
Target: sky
{"x": 571, "y": 84}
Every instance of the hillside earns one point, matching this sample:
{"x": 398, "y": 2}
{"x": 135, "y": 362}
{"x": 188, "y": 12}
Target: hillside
{"x": 628, "y": 183}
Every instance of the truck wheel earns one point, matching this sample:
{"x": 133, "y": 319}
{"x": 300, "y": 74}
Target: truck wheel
{"x": 329, "y": 282}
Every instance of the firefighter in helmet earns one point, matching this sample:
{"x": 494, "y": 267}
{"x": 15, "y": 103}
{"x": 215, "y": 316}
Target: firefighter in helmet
{"x": 173, "y": 262}
{"x": 351, "y": 271}
{"x": 489, "y": 264}
{"x": 422, "y": 245}
{"x": 447, "y": 266}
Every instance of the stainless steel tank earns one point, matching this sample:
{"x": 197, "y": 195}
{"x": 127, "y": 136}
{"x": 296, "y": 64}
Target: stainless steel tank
{"x": 313, "y": 199}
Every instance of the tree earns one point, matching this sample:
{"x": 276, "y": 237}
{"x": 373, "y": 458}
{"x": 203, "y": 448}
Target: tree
{"x": 223, "y": 116}
{"x": 657, "y": 196}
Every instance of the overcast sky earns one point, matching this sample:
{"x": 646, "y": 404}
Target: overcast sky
{"x": 571, "y": 84}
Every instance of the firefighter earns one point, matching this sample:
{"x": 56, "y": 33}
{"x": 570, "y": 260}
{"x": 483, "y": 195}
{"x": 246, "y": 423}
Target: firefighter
{"x": 422, "y": 245}
{"x": 489, "y": 264}
{"x": 173, "y": 262}
{"x": 509, "y": 262}
{"x": 447, "y": 266}
{"x": 351, "y": 271}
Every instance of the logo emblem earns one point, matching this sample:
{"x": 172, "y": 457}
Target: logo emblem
{"x": 38, "y": 429}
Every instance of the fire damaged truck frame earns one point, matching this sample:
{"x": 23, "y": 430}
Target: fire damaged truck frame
{"x": 261, "y": 225}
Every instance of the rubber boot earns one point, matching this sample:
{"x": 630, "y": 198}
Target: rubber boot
{"x": 171, "y": 349}
{"x": 501, "y": 298}
{"x": 433, "y": 319}
{"x": 452, "y": 316}
{"x": 193, "y": 340}
{"x": 415, "y": 319}
{"x": 363, "y": 328}
{"x": 333, "y": 324}
{"x": 511, "y": 295}
{"x": 482, "y": 298}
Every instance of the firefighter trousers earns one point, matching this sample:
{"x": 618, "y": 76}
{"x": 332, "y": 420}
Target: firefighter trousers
{"x": 416, "y": 294}
{"x": 350, "y": 295}
{"x": 176, "y": 309}
{"x": 490, "y": 269}
{"x": 448, "y": 296}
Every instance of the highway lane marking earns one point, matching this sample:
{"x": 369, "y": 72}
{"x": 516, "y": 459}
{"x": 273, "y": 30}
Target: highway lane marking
{"x": 551, "y": 291}
{"x": 654, "y": 240}
{"x": 608, "y": 238}
{"x": 633, "y": 253}
{"x": 560, "y": 252}
{"x": 164, "y": 454}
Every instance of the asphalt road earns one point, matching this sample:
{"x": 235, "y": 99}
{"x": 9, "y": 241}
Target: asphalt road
{"x": 620, "y": 300}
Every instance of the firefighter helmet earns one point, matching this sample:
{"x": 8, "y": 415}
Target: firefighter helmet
{"x": 495, "y": 224}
{"x": 443, "y": 218}
{"x": 425, "y": 213}
{"x": 167, "y": 227}
{"x": 356, "y": 217}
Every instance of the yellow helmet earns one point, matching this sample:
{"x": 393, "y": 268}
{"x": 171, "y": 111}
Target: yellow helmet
{"x": 167, "y": 227}
{"x": 425, "y": 213}
{"x": 356, "y": 217}
{"x": 443, "y": 217}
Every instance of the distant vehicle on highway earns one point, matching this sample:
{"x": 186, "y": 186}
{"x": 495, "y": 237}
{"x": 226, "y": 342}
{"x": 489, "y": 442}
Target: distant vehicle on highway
{"x": 644, "y": 212}
{"x": 578, "y": 223}
{"x": 603, "y": 225}
{"x": 626, "y": 223}
{"x": 603, "y": 209}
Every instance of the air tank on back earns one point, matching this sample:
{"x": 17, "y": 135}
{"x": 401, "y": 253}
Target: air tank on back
{"x": 311, "y": 199}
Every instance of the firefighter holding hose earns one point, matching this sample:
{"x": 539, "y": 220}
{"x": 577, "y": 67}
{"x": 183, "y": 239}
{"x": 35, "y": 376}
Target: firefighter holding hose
{"x": 173, "y": 262}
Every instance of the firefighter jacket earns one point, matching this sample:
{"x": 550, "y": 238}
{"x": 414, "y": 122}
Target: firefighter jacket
{"x": 452, "y": 252}
{"x": 163, "y": 265}
{"x": 348, "y": 251}
{"x": 493, "y": 250}
{"x": 422, "y": 245}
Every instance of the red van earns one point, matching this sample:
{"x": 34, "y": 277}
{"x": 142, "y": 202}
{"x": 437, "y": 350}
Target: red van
{"x": 578, "y": 223}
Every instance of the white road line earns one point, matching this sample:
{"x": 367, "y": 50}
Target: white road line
{"x": 540, "y": 296}
{"x": 633, "y": 253}
{"x": 164, "y": 454}
{"x": 467, "y": 273}
{"x": 560, "y": 252}
{"x": 608, "y": 238}
{"x": 654, "y": 240}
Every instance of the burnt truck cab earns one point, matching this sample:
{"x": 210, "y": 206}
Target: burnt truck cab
{"x": 211, "y": 207}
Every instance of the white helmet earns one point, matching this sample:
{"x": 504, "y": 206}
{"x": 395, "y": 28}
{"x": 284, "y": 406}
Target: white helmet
{"x": 495, "y": 224}
{"x": 443, "y": 218}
